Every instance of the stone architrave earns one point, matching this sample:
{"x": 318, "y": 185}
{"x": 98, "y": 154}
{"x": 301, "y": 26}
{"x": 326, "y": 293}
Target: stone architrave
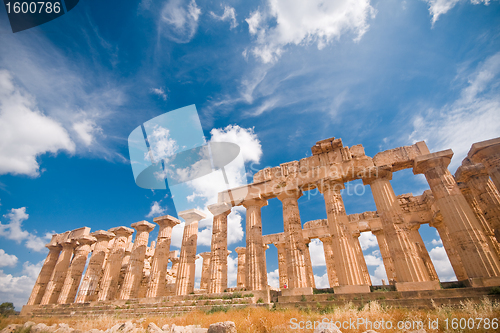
{"x": 46, "y": 272}
{"x": 89, "y": 287}
{"x": 328, "y": 249}
{"x": 75, "y": 271}
{"x": 282, "y": 268}
{"x": 56, "y": 282}
{"x": 309, "y": 267}
{"x": 256, "y": 275}
{"x": 205, "y": 270}
{"x": 361, "y": 257}
{"x": 480, "y": 262}
{"x": 218, "y": 261}
{"x": 294, "y": 239}
{"x": 240, "y": 279}
{"x": 184, "y": 284}
{"x": 386, "y": 255}
{"x": 422, "y": 251}
{"x": 157, "y": 286}
{"x": 347, "y": 266}
{"x": 488, "y": 154}
{"x": 135, "y": 267}
{"x": 411, "y": 272}
{"x": 109, "y": 282}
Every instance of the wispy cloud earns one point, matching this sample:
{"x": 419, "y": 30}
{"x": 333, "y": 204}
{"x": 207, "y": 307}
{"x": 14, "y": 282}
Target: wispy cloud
{"x": 160, "y": 92}
{"x": 156, "y": 210}
{"x": 440, "y": 7}
{"x": 179, "y": 20}
{"x": 228, "y": 15}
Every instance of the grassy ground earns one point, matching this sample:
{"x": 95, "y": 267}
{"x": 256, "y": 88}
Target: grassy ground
{"x": 263, "y": 320}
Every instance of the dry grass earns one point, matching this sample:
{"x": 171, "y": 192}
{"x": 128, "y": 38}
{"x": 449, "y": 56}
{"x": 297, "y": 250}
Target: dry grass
{"x": 250, "y": 320}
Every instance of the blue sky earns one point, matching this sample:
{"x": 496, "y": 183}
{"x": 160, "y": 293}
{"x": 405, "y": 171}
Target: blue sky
{"x": 273, "y": 76}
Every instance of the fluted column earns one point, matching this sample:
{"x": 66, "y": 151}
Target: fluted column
{"x": 361, "y": 257}
{"x": 422, "y": 251}
{"x": 205, "y": 270}
{"x": 347, "y": 266}
{"x": 488, "y": 153}
{"x": 110, "y": 278}
{"x": 309, "y": 267}
{"x": 75, "y": 271}
{"x": 481, "y": 263}
{"x": 282, "y": 267}
{"x": 184, "y": 284}
{"x": 59, "y": 273}
{"x": 45, "y": 273}
{"x": 449, "y": 247}
{"x": 89, "y": 287}
{"x": 328, "y": 248}
{"x": 157, "y": 284}
{"x": 410, "y": 268}
{"x": 133, "y": 272}
{"x": 218, "y": 262}
{"x": 390, "y": 270}
{"x": 240, "y": 279}
{"x": 256, "y": 275}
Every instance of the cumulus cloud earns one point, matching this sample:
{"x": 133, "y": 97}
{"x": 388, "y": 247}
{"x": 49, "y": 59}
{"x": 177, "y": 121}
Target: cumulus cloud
{"x": 14, "y": 231}
{"x": 156, "y": 210}
{"x": 86, "y": 131}
{"x": 285, "y": 22}
{"x": 379, "y": 274}
{"x": 440, "y": 7}
{"x": 321, "y": 281}
{"x": 160, "y": 92}
{"x": 228, "y": 15}
{"x": 179, "y": 20}
{"x": 317, "y": 253}
{"x": 367, "y": 240}
{"x": 442, "y": 264}
{"x": 473, "y": 117}
{"x": 7, "y": 259}
{"x": 273, "y": 278}
{"x": 25, "y": 132}
{"x": 17, "y": 289}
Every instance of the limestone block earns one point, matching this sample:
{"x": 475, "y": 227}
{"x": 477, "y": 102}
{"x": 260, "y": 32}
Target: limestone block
{"x": 402, "y": 157}
{"x": 222, "y": 327}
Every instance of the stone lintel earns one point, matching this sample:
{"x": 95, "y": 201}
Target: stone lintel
{"x": 424, "y": 162}
{"x": 143, "y": 226}
{"x": 402, "y": 157}
{"x": 346, "y": 289}
{"x": 484, "y": 282}
{"x": 166, "y": 220}
{"x": 192, "y": 215}
{"x": 122, "y": 231}
{"x": 414, "y": 286}
{"x": 479, "y": 146}
{"x": 220, "y": 208}
{"x": 79, "y": 232}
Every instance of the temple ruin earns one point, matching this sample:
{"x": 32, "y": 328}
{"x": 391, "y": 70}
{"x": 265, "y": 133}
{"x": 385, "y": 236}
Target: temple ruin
{"x": 464, "y": 209}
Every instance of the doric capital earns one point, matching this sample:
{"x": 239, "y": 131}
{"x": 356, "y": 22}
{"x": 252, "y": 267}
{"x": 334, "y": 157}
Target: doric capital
{"x": 122, "y": 231}
{"x": 205, "y": 255}
{"x": 290, "y": 194}
{"x": 69, "y": 243}
{"x": 279, "y": 245}
{"x": 369, "y": 175}
{"x": 377, "y": 231}
{"x": 329, "y": 184}
{"x": 414, "y": 226}
{"x": 229, "y": 252}
{"x": 143, "y": 226}
{"x": 102, "y": 235}
{"x": 175, "y": 260}
{"x": 254, "y": 202}
{"x": 192, "y": 215}
{"x": 480, "y": 150}
{"x": 220, "y": 208}
{"x": 240, "y": 250}
{"x": 86, "y": 240}
{"x": 355, "y": 233}
{"x": 424, "y": 163}
{"x": 325, "y": 238}
{"x": 437, "y": 220}
{"x": 465, "y": 172}
{"x": 166, "y": 221}
{"x": 53, "y": 247}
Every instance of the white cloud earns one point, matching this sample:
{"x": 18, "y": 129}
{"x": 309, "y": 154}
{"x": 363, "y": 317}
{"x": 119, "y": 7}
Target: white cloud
{"x": 372, "y": 260}
{"x": 156, "y": 210}
{"x": 14, "y": 231}
{"x": 375, "y": 259}
{"x": 177, "y": 232}
{"x": 228, "y": 15}
{"x": 317, "y": 252}
{"x": 273, "y": 278}
{"x": 17, "y": 289}
{"x": 286, "y": 22}
{"x": 442, "y": 264}
{"x": 7, "y": 259}
{"x": 322, "y": 281}
{"x": 162, "y": 145}
{"x": 25, "y": 132}
{"x": 86, "y": 130}
{"x": 160, "y": 92}
{"x": 437, "y": 242}
{"x": 367, "y": 240}
{"x": 179, "y": 20}
{"x": 473, "y": 117}
{"x": 440, "y": 7}
{"x": 232, "y": 271}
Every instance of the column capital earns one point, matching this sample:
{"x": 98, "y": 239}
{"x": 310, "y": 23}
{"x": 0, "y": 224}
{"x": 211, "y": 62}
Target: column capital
{"x": 329, "y": 183}
{"x": 465, "y": 172}
{"x": 143, "y": 226}
{"x": 290, "y": 194}
{"x": 220, "y": 208}
{"x": 259, "y": 202}
{"x": 240, "y": 250}
{"x": 480, "y": 150}
{"x": 440, "y": 159}
{"x": 174, "y": 260}
{"x": 69, "y": 243}
{"x": 53, "y": 246}
{"x": 86, "y": 240}
{"x": 166, "y": 221}
{"x": 414, "y": 226}
{"x": 192, "y": 215}
{"x": 205, "y": 255}
{"x": 102, "y": 235}
{"x": 325, "y": 238}
{"x": 376, "y": 231}
{"x": 369, "y": 175}
{"x": 122, "y": 231}
{"x": 229, "y": 252}
{"x": 355, "y": 233}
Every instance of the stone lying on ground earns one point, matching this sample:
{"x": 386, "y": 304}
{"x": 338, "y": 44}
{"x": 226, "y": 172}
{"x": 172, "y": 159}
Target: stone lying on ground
{"x": 222, "y": 327}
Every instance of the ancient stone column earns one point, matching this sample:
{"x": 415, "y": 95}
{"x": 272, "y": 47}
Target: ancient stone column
{"x": 297, "y": 270}
{"x": 256, "y": 275}
{"x": 89, "y": 287}
{"x": 361, "y": 257}
{"x": 240, "y": 279}
{"x": 422, "y": 251}
{"x": 488, "y": 154}
{"x": 133, "y": 273}
{"x": 386, "y": 255}
{"x": 410, "y": 268}
{"x": 484, "y": 191}
{"x": 282, "y": 268}
{"x": 449, "y": 247}
{"x": 218, "y": 261}
{"x": 184, "y": 284}
{"x": 45, "y": 273}
{"x": 56, "y": 282}
{"x": 205, "y": 270}
{"x": 109, "y": 282}
{"x": 309, "y": 267}
{"x": 157, "y": 286}
{"x": 328, "y": 248}
{"x": 75, "y": 271}
{"x": 481, "y": 263}
{"x": 347, "y": 266}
